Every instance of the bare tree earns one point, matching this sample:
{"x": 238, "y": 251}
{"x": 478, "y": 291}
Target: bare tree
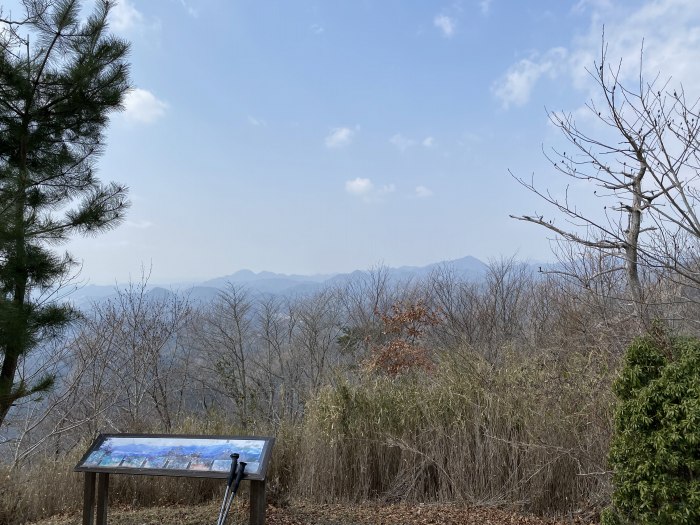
{"x": 504, "y": 303}
{"x": 271, "y": 374}
{"x": 316, "y": 335}
{"x": 644, "y": 165}
{"x": 225, "y": 337}
{"x": 458, "y": 301}
{"x": 122, "y": 368}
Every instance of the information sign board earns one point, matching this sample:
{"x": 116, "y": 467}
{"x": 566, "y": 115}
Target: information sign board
{"x": 176, "y": 455}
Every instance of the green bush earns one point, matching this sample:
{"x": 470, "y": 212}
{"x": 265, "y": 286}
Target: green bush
{"x": 655, "y": 452}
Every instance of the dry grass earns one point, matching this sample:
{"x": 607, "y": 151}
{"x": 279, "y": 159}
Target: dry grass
{"x": 50, "y": 487}
{"x": 53, "y": 488}
{"x": 528, "y": 434}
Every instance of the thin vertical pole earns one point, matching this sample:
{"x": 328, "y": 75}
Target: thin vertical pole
{"x": 89, "y": 499}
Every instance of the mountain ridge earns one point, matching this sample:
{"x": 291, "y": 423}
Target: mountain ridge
{"x": 271, "y": 283}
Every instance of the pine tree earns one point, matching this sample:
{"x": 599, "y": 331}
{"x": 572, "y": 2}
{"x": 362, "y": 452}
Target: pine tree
{"x": 61, "y": 75}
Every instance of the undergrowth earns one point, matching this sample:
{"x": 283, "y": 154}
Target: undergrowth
{"x": 527, "y": 433}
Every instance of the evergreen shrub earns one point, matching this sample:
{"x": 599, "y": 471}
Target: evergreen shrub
{"x": 655, "y": 451}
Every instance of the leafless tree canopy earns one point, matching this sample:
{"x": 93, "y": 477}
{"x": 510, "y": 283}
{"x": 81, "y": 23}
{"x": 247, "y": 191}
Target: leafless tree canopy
{"x": 641, "y": 156}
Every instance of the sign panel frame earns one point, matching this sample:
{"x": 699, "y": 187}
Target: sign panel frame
{"x": 179, "y": 455}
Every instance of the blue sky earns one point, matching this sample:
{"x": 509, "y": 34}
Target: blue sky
{"x": 326, "y": 136}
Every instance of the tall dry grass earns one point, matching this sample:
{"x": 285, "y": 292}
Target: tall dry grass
{"x": 51, "y": 488}
{"x": 48, "y": 486}
{"x": 529, "y": 433}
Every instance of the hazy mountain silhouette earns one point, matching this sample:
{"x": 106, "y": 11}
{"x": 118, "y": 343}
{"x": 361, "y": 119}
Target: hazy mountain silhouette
{"x": 269, "y": 283}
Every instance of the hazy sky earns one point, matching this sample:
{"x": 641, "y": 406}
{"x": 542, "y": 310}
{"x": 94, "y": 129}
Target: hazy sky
{"x": 325, "y": 136}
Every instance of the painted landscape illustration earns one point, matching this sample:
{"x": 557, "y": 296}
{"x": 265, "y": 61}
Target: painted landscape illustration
{"x": 175, "y": 453}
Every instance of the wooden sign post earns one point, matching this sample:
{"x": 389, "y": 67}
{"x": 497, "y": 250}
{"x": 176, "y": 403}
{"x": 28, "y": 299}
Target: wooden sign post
{"x": 171, "y": 455}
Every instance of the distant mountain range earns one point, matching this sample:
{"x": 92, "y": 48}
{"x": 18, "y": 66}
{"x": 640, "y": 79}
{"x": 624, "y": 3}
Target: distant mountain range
{"x": 270, "y": 283}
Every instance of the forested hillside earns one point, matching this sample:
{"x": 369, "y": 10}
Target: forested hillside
{"x": 495, "y": 391}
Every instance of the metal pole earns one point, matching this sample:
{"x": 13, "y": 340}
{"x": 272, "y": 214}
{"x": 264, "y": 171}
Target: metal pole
{"x": 232, "y": 494}
{"x": 224, "y": 511}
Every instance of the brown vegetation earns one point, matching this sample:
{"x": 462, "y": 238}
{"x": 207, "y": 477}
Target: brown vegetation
{"x": 509, "y": 404}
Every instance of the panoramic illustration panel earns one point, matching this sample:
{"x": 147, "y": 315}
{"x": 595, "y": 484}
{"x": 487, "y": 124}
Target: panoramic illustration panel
{"x": 174, "y": 453}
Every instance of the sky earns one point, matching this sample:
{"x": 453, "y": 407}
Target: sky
{"x": 327, "y": 136}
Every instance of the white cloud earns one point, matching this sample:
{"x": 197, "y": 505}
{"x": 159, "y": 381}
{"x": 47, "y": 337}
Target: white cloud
{"x": 422, "y": 192}
{"x": 142, "y": 106}
{"x": 124, "y": 16}
{"x": 190, "y": 10}
{"x": 340, "y": 137}
{"x": 515, "y": 87}
{"x": 258, "y": 122}
{"x": 364, "y": 189}
{"x": 447, "y": 25}
{"x": 669, "y": 30}
{"x": 402, "y": 143}
{"x": 428, "y": 142}
{"x": 387, "y": 188}
{"x": 359, "y": 187}
{"x": 485, "y": 6}
{"x": 317, "y": 29}
{"x": 582, "y": 5}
